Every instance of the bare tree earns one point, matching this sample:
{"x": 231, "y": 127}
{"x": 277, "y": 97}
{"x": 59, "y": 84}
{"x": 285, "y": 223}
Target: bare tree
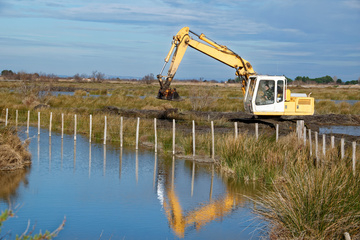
{"x": 100, "y": 76}
{"x": 148, "y": 79}
{"x": 77, "y": 78}
{"x": 93, "y": 76}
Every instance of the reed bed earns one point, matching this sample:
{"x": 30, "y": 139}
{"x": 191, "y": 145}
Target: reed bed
{"x": 313, "y": 203}
{"x": 13, "y": 152}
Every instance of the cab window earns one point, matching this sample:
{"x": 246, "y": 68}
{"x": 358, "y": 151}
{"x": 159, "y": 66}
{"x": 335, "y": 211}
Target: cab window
{"x": 265, "y": 94}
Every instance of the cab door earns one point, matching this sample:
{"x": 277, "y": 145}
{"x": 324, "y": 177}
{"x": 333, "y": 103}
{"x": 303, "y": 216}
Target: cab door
{"x": 279, "y": 96}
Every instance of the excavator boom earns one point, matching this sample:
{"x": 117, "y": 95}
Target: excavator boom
{"x": 221, "y": 53}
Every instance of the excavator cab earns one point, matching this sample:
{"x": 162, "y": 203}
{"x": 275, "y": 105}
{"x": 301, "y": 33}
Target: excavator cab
{"x": 268, "y": 95}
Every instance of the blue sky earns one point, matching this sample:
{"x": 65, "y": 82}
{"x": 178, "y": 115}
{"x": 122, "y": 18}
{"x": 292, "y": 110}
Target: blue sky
{"x": 131, "y": 38}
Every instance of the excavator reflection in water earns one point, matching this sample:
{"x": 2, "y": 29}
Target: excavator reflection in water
{"x": 179, "y": 220}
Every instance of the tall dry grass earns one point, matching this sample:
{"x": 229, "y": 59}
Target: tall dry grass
{"x": 313, "y": 203}
{"x": 263, "y": 159}
{"x": 13, "y": 153}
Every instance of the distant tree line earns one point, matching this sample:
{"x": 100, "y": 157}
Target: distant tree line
{"x": 306, "y": 80}
{"x": 321, "y": 80}
{"x": 97, "y": 76}
{"x": 21, "y": 75}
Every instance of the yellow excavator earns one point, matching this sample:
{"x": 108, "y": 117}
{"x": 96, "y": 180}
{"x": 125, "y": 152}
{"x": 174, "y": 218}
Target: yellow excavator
{"x": 264, "y": 95}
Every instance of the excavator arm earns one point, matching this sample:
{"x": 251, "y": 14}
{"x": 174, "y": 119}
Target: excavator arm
{"x": 219, "y": 52}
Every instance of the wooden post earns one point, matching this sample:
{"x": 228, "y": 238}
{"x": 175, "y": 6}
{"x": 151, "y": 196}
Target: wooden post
{"x": 28, "y": 123}
{"x": 105, "y": 130}
{"x": 121, "y": 132}
{"x": 75, "y": 127}
{"x": 236, "y": 129}
{"x": 304, "y": 136}
{"x": 342, "y": 146}
{"x": 257, "y": 131}
{"x": 332, "y": 142}
{"x": 277, "y": 132}
{"x": 6, "y": 116}
{"x": 316, "y": 148}
{"x": 193, "y": 133}
{"x": 137, "y": 133}
{"x": 347, "y": 236}
{"x": 90, "y": 129}
{"x": 300, "y": 124}
{"x": 353, "y": 156}
{"x": 310, "y": 142}
{"x": 50, "y": 124}
{"x": 324, "y": 144}
{"x": 155, "y": 132}
{"x": 38, "y": 123}
{"x": 212, "y": 140}
{"x": 16, "y": 118}
{"x": 173, "y": 136}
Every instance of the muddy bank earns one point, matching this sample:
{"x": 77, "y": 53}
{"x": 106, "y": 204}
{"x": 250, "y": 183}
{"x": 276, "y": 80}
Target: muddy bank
{"x": 13, "y": 153}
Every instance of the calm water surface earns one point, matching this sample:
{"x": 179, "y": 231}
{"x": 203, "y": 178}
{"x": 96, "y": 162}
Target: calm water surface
{"x": 116, "y": 193}
{"x": 348, "y": 130}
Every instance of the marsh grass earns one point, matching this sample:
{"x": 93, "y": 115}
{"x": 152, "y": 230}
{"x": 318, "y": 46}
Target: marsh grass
{"x": 263, "y": 159}
{"x": 313, "y": 203}
{"x": 13, "y": 152}
{"x": 330, "y": 107}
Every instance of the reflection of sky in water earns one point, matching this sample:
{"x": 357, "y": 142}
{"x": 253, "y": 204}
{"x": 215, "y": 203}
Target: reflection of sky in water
{"x": 117, "y": 192}
{"x": 348, "y": 130}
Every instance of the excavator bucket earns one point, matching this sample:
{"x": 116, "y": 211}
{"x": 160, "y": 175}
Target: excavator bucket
{"x": 168, "y": 94}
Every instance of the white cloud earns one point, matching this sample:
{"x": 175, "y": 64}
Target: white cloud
{"x": 352, "y": 4}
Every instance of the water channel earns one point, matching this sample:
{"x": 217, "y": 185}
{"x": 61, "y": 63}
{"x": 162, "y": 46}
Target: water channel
{"x": 108, "y": 192}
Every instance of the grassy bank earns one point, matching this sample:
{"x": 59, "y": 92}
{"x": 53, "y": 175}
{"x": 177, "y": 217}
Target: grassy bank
{"x": 313, "y": 203}
{"x": 13, "y": 153}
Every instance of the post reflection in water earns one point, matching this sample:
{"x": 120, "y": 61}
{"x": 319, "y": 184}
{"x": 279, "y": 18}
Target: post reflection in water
{"x": 62, "y": 151}
{"x": 212, "y": 182}
{"x": 137, "y": 166}
{"x": 38, "y": 150}
{"x": 89, "y": 159}
{"x": 155, "y": 169}
{"x": 49, "y": 153}
{"x": 74, "y": 156}
{"x": 192, "y": 178}
{"x": 104, "y": 163}
{"x": 120, "y": 161}
{"x": 173, "y": 172}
